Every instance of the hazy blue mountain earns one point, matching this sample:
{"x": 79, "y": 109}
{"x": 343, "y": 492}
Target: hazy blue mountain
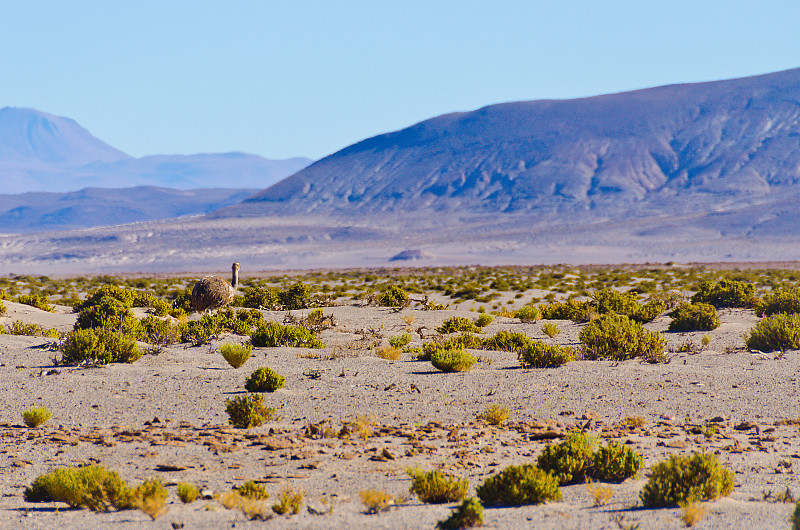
{"x": 42, "y": 211}
{"x": 41, "y": 152}
{"x": 665, "y": 150}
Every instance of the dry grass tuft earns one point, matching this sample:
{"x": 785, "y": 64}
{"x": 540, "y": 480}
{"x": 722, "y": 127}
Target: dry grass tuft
{"x": 692, "y": 513}
{"x": 494, "y": 415}
{"x": 601, "y": 493}
{"x": 388, "y": 352}
{"x": 376, "y": 501}
{"x": 253, "y": 509}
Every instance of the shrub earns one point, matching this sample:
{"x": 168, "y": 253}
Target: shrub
{"x": 611, "y": 301}
{"x": 251, "y": 508}
{"x": 577, "y": 311}
{"x": 261, "y": 298}
{"x": 507, "y": 341}
{"x": 786, "y": 300}
{"x": 394, "y": 297}
{"x": 160, "y": 307}
{"x": 289, "y": 500}
{"x": 452, "y": 360}
{"x": 264, "y": 380}
{"x": 35, "y": 416}
{"x": 400, "y": 340}
{"x": 541, "y": 355}
{"x": 248, "y": 411}
{"x": 376, "y": 501}
{"x": 570, "y": 460}
{"x": 466, "y": 515}
{"x": 272, "y": 334}
{"x": 435, "y": 487}
{"x": 454, "y": 324}
{"x": 98, "y": 345}
{"x": 159, "y": 331}
{"x": 89, "y": 487}
{"x": 251, "y": 490}
{"x": 527, "y": 313}
{"x": 111, "y": 291}
{"x": 150, "y": 497}
{"x": 236, "y": 354}
{"x": 494, "y": 415}
{"x": 465, "y": 340}
{"x": 187, "y": 492}
{"x": 36, "y": 300}
{"x": 683, "y": 479}
{"x": 550, "y": 329}
{"x": 615, "y": 462}
{"x": 483, "y": 320}
{"x": 649, "y": 310}
{"x": 519, "y": 485}
{"x": 796, "y": 517}
{"x": 298, "y": 296}
{"x": 388, "y": 352}
{"x": 618, "y": 337}
{"x": 3, "y": 308}
{"x": 775, "y": 332}
{"x": 31, "y": 330}
{"x": 694, "y": 317}
{"x": 726, "y": 293}
{"x": 110, "y": 314}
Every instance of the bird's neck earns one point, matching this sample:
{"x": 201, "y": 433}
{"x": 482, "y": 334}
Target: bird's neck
{"x": 235, "y": 279}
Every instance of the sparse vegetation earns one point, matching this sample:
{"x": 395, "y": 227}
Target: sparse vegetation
{"x": 400, "y": 340}
{"x": 456, "y": 324}
{"x": 388, "y": 352}
{"x": 550, "y": 329}
{"x": 100, "y": 346}
{"x": 35, "y": 416}
{"x": 683, "y": 479}
{"x": 779, "y": 331}
{"x": 617, "y": 337}
{"x": 264, "y": 380}
{"x": 289, "y": 501}
{"x": 468, "y": 514}
{"x": 436, "y": 487}
{"x": 494, "y": 415}
{"x": 726, "y": 293}
{"x": 527, "y": 313}
{"x": 89, "y": 487}
{"x": 248, "y": 411}
{"x": 518, "y": 486}
{"x": 36, "y": 300}
{"x": 272, "y": 334}
{"x": 251, "y": 490}
{"x": 187, "y": 493}
{"x": 376, "y": 501}
{"x": 601, "y": 493}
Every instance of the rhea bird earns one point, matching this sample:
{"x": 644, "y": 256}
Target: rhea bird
{"x": 213, "y": 292}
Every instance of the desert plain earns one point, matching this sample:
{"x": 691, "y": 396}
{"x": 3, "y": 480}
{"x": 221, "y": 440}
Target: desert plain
{"x": 164, "y": 416}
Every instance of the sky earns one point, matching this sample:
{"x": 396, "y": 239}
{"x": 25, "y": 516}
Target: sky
{"x": 307, "y": 78}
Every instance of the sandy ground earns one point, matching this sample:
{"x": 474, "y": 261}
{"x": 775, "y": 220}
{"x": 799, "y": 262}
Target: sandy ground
{"x": 164, "y": 416}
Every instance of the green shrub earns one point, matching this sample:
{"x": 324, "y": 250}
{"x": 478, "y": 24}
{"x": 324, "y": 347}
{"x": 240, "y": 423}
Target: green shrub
{"x": 452, "y": 360}
{"x": 775, "y": 332}
{"x": 3, "y": 308}
{"x": 465, "y": 340}
{"x": 494, "y": 415}
{"x": 796, "y": 517}
{"x": 527, "y": 313}
{"x": 550, "y": 329}
{"x": 435, "y": 487}
{"x": 454, "y": 324}
{"x": 298, "y": 296}
{"x": 150, "y": 497}
{"x": 261, "y": 298}
{"x": 264, "y": 380}
{"x": 615, "y": 462}
{"x": 694, "y": 317}
{"x": 507, "y": 341}
{"x": 272, "y": 334}
{"x": 683, "y": 479}
{"x": 236, "y": 354}
{"x": 35, "y": 416}
{"x": 519, "y": 485}
{"x": 785, "y": 300}
{"x": 483, "y": 320}
{"x": 159, "y": 331}
{"x": 110, "y": 314}
{"x": 251, "y": 490}
{"x": 611, "y": 301}
{"x": 400, "y": 340}
{"x": 120, "y": 294}
{"x": 570, "y": 460}
{"x": 31, "y": 330}
{"x": 466, "y": 515}
{"x": 617, "y": 337}
{"x": 98, "y": 345}
{"x": 36, "y": 300}
{"x": 89, "y": 487}
{"x": 248, "y": 411}
{"x": 577, "y": 311}
{"x": 290, "y": 500}
{"x": 394, "y": 297}
{"x": 649, "y": 310}
{"x": 187, "y": 492}
{"x": 541, "y": 355}
{"x": 726, "y": 293}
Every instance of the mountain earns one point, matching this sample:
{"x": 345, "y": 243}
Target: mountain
{"x": 661, "y": 151}
{"x": 42, "y": 152}
{"x": 40, "y": 211}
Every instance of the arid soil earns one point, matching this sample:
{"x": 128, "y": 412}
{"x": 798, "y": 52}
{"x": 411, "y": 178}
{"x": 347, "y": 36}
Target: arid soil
{"x": 164, "y": 416}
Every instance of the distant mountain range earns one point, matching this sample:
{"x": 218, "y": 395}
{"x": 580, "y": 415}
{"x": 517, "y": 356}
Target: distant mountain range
{"x": 41, "y": 152}
{"x": 670, "y": 150}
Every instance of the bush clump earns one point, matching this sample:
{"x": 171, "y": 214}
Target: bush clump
{"x": 435, "y": 487}
{"x": 187, "y": 492}
{"x": 98, "y": 345}
{"x": 251, "y": 490}
{"x": 248, "y": 411}
{"x": 694, "y": 317}
{"x": 468, "y": 514}
{"x": 570, "y": 460}
{"x": 614, "y": 463}
{"x": 611, "y": 301}
{"x": 617, "y": 337}
{"x": 400, "y": 340}
{"x": 465, "y": 340}
{"x": 726, "y": 293}
{"x": 685, "y": 479}
{"x": 236, "y": 354}
{"x": 452, "y": 360}
{"x": 110, "y": 314}
{"x": 507, "y": 341}
{"x": 527, "y": 313}
{"x": 455, "y": 324}
{"x": 518, "y": 486}
{"x": 36, "y": 300}
{"x": 394, "y": 296}
{"x": 575, "y": 310}
{"x": 541, "y": 355}
{"x": 261, "y": 298}
{"x": 89, "y": 487}
{"x": 298, "y": 296}
{"x": 35, "y": 416}
{"x": 483, "y": 320}
{"x": 775, "y": 332}
{"x": 785, "y": 300}
{"x": 264, "y": 380}
{"x": 272, "y": 334}
{"x": 159, "y": 331}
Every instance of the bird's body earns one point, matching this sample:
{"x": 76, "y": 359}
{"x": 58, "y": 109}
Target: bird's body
{"x": 212, "y": 292}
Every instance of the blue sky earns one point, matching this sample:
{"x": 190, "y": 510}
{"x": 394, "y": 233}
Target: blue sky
{"x": 307, "y": 78}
